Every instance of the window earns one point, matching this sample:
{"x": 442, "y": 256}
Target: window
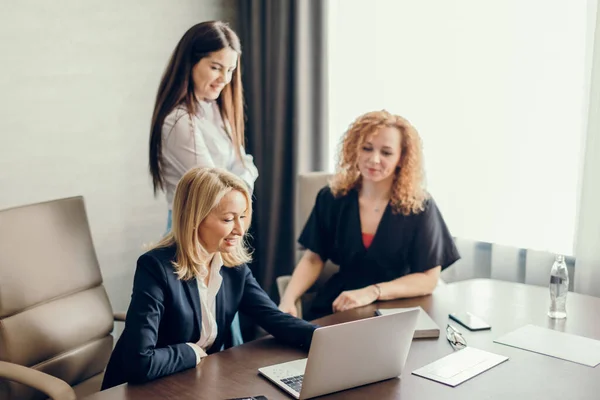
{"x": 498, "y": 91}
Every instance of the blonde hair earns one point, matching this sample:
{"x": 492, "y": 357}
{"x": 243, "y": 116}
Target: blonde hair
{"x": 198, "y": 192}
{"x": 408, "y": 188}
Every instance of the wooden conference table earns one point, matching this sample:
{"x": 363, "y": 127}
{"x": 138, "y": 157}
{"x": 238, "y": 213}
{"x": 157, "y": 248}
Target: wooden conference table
{"x": 504, "y": 305}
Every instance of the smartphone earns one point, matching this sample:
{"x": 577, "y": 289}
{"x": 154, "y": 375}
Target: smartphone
{"x": 470, "y": 321}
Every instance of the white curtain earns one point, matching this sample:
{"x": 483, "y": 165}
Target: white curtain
{"x": 587, "y": 264}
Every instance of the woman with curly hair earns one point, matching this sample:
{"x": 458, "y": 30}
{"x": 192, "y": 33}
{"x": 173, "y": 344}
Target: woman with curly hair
{"x": 375, "y": 220}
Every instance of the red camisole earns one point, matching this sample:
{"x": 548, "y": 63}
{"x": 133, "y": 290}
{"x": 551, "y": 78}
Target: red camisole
{"x": 367, "y": 239}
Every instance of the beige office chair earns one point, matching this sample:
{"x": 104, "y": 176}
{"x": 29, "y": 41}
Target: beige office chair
{"x": 307, "y": 187}
{"x": 55, "y": 317}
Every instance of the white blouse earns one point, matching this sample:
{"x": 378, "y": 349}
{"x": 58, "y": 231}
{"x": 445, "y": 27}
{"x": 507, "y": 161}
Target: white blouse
{"x": 208, "y": 297}
{"x": 201, "y": 141}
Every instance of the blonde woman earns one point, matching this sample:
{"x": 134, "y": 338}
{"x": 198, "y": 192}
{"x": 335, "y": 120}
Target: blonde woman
{"x": 375, "y": 220}
{"x": 187, "y": 289}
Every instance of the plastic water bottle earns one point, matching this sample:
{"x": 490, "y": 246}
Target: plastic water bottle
{"x": 559, "y": 287}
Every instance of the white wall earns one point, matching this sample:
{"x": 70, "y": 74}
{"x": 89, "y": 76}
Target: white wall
{"x": 77, "y": 86}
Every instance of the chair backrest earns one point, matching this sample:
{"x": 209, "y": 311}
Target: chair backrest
{"x": 308, "y": 186}
{"x": 55, "y": 316}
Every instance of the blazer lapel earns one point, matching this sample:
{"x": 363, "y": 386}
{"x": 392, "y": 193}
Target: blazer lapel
{"x": 191, "y": 289}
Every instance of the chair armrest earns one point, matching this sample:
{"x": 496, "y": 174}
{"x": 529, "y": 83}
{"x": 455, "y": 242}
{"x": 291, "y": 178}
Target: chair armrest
{"x": 282, "y": 283}
{"x": 119, "y": 316}
{"x": 53, "y": 387}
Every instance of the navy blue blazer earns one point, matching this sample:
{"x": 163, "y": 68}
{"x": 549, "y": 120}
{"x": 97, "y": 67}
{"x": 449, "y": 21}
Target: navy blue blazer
{"x": 165, "y": 314}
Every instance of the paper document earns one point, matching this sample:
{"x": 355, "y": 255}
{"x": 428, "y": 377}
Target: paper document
{"x": 566, "y": 346}
{"x": 426, "y": 327}
{"x": 460, "y": 366}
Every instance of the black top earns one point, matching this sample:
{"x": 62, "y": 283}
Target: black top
{"x": 402, "y": 245}
{"x": 165, "y": 314}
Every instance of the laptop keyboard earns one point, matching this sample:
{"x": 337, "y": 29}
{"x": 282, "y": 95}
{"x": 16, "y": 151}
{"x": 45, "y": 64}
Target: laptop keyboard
{"x": 295, "y": 382}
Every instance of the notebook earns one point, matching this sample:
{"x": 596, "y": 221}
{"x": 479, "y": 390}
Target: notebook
{"x": 426, "y": 327}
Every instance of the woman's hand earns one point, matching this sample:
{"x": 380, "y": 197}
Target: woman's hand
{"x": 350, "y": 299}
{"x": 289, "y": 307}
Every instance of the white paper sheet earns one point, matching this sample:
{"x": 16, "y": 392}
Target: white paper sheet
{"x": 566, "y": 346}
{"x": 460, "y": 366}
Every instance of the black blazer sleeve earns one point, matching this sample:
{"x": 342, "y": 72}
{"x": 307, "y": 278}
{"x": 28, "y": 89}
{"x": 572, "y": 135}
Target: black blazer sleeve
{"x": 143, "y": 360}
{"x": 285, "y": 328}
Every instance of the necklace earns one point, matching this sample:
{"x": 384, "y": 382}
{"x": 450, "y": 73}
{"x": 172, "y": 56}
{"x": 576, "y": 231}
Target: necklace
{"x": 379, "y": 207}
{"x": 376, "y": 208}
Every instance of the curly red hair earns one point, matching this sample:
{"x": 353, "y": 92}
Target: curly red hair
{"x": 408, "y": 188}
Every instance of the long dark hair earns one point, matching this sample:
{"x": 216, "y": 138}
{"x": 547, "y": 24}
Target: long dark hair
{"x": 177, "y": 88}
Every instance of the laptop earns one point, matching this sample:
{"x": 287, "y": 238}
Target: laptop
{"x": 348, "y": 355}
